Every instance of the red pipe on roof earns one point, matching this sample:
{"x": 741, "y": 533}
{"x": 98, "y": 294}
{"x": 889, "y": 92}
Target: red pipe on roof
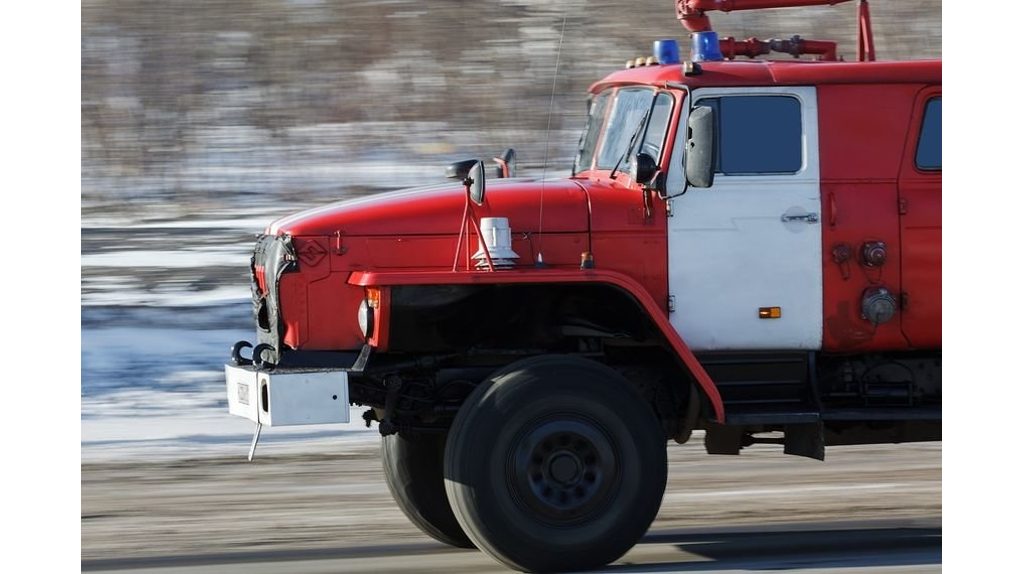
{"x": 691, "y": 12}
{"x": 692, "y": 15}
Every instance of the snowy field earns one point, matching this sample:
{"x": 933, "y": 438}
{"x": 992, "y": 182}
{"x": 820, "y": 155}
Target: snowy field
{"x": 163, "y": 300}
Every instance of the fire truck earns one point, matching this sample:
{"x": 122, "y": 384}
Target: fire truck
{"x": 748, "y": 248}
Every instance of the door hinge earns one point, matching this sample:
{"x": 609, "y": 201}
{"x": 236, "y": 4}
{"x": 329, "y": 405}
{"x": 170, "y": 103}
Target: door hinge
{"x": 671, "y": 303}
{"x": 902, "y": 205}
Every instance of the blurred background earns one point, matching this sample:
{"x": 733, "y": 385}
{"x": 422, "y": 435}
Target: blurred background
{"x": 202, "y": 120}
{"x": 191, "y": 103}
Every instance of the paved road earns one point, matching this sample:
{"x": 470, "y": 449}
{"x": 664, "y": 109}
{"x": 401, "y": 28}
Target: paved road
{"x": 867, "y": 546}
{"x": 866, "y": 509}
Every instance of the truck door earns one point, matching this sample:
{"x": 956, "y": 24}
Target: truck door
{"x": 745, "y": 261}
{"x": 920, "y": 206}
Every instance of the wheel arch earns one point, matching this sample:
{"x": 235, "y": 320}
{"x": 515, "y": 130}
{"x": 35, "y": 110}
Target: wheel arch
{"x": 623, "y": 289}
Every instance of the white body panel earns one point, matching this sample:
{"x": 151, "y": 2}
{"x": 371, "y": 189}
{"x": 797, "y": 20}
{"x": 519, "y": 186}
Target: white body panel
{"x": 282, "y": 399}
{"x": 731, "y": 253}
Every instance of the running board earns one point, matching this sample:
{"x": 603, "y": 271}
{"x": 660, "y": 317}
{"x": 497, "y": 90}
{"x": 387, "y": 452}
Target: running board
{"x": 776, "y": 416}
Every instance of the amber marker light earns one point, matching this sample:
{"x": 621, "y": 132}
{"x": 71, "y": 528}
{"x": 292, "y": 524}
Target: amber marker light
{"x": 373, "y": 297}
{"x": 769, "y": 312}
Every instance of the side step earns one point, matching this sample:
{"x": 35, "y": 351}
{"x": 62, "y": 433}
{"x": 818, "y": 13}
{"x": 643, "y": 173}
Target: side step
{"x": 741, "y": 415}
{"x": 763, "y": 388}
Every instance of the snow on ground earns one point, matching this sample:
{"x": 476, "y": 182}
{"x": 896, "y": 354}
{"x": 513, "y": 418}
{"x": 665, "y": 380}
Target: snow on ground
{"x": 167, "y": 298}
{"x": 157, "y": 327}
{"x": 227, "y": 256}
{"x": 151, "y": 392}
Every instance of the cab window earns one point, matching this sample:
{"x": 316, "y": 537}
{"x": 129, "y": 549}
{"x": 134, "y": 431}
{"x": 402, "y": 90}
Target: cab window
{"x": 929, "y": 145}
{"x": 757, "y": 134}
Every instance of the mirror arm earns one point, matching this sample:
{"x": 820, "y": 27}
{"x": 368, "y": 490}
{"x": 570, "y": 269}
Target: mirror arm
{"x": 686, "y": 185}
{"x": 663, "y": 194}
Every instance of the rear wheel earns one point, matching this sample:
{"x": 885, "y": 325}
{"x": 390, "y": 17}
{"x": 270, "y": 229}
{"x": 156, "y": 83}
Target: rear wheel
{"x": 555, "y": 463}
{"x": 413, "y": 469}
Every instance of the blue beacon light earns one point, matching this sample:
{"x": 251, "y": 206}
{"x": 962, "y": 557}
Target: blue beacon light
{"x": 666, "y": 51}
{"x": 705, "y": 47}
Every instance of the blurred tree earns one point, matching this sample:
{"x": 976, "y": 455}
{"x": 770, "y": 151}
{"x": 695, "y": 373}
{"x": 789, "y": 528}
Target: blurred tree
{"x": 202, "y": 97}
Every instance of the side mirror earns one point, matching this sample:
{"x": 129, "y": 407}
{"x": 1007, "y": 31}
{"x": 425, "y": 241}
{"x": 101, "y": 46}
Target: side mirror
{"x": 506, "y": 163}
{"x": 471, "y": 173}
{"x": 642, "y": 168}
{"x": 700, "y": 147}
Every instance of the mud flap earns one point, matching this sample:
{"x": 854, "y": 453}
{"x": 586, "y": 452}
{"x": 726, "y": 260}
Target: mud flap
{"x": 805, "y": 439}
{"x": 724, "y": 439}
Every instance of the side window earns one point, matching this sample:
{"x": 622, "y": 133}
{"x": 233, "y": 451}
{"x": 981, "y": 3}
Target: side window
{"x": 929, "y": 145}
{"x": 757, "y": 134}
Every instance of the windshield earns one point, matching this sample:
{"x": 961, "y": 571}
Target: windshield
{"x": 588, "y": 140}
{"x": 620, "y": 115}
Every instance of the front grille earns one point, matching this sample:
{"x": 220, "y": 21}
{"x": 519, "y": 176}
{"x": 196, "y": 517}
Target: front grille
{"x": 272, "y": 257}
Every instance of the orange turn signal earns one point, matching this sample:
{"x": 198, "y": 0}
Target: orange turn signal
{"x": 373, "y": 297}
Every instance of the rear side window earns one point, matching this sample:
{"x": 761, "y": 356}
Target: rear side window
{"x": 929, "y": 146}
{"x": 757, "y": 134}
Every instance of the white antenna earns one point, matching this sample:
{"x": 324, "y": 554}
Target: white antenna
{"x": 547, "y": 143}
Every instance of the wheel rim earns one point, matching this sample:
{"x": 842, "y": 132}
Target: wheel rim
{"x": 562, "y": 469}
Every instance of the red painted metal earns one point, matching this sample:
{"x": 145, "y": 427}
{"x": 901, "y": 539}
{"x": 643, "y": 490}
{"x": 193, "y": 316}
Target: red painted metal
{"x": 778, "y": 73}
{"x": 795, "y": 46}
{"x": 562, "y": 277}
{"x": 865, "y": 37}
{"x": 863, "y": 175}
{"x": 436, "y": 210}
{"x": 469, "y": 215}
{"x": 381, "y": 335}
{"x": 691, "y": 13}
{"x": 920, "y": 207}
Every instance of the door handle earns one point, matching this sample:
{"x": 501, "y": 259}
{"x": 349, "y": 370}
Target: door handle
{"x": 808, "y": 217}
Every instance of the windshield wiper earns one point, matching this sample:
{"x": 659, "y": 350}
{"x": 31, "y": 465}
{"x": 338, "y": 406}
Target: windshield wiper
{"x": 632, "y": 141}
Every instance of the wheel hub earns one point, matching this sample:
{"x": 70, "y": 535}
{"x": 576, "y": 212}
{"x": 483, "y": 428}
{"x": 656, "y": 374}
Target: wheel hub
{"x": 562, "y": 469}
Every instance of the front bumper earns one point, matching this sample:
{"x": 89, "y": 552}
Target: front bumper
{"x": 288, "y": 397}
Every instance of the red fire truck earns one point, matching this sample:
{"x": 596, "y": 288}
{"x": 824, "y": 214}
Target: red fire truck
{"x": 751, "y": 248}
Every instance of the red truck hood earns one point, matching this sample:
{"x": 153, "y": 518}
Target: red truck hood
{"x": 437, "y": 210}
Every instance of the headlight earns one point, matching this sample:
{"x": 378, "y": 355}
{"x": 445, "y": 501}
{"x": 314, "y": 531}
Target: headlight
{"x": 365, "y": 318}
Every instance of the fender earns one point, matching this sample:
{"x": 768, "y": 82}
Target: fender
{"x": 619, "y": 280}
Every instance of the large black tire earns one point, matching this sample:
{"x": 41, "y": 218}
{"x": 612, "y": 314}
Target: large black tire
{"x": 555, "y": 463}
{"x": 413, "y": 467}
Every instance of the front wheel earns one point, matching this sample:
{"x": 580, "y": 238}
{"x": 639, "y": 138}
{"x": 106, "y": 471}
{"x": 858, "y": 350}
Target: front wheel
{"x": 413, "y": 470}
{"x": 555, "y": 463}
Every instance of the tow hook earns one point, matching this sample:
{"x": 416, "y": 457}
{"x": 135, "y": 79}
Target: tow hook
{"x": 257, "y": 356}
{"x": 236, "y": 353}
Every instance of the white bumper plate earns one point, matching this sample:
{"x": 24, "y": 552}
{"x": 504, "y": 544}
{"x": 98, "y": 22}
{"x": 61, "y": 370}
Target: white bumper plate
{"x": 288, "y": 398}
